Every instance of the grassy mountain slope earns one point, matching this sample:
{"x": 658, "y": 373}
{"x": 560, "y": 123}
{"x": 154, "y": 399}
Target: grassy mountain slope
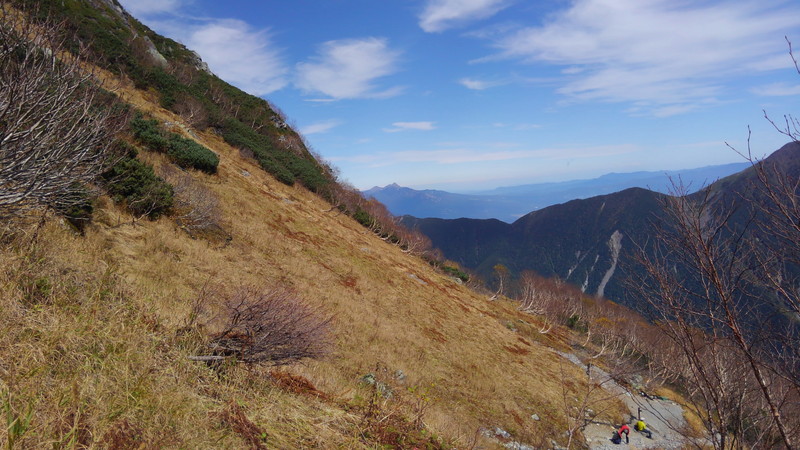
{"x": 95, "y": 344}
{"x": 105, "y": 339}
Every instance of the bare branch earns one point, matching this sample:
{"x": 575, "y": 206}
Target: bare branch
{"x": 55, "y": 121}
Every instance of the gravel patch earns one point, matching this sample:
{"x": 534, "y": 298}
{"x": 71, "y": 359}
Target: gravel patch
{"x": 662, "y": 417}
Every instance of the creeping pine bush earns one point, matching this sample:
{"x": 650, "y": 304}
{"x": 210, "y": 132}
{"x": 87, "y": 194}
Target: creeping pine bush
{"x": 286, "y": 166}
{"x": 456, "y": 272}
{"x": 76, "y": 206}
{"x": 184, "y": 152}
{"x": 148, "y": 132}
{"x": 136, "y": 184}
{"x": 189, "y": 154}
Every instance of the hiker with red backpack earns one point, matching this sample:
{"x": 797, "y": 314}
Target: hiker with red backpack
{"x": 624, "y": 429}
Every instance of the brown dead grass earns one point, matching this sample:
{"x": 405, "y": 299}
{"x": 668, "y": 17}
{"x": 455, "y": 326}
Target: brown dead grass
{"x": 105, "y": 345}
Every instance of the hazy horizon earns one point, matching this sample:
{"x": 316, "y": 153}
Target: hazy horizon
{"x": 523, "y": 183}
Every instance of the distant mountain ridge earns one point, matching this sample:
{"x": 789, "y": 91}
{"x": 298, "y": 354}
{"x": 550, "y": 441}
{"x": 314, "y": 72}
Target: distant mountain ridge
{"x": 512, "y": 202}
{"x": 586, "y": 242}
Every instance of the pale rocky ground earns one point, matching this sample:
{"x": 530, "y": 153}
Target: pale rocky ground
{"x": 663, "y": 417}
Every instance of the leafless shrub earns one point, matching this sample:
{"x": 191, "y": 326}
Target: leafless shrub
{"x": 730, "y": 355}
{"x": 196, "y": 207}
{"x": 192, "y": 110}
{"x": 54, "y": 127}
{"x": 271, "y": 326}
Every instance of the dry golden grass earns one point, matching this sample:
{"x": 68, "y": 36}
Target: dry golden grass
{"x": 99, "y": 359}
{"x": 695, "y": 427}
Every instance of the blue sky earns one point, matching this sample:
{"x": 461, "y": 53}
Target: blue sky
{"x": 472, "y": 94}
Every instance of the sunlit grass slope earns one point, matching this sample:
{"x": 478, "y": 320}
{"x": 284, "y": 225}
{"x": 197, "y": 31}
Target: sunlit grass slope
{"x": 94, "y": 348}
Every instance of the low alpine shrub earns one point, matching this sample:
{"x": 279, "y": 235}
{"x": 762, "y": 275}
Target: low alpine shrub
{"x": 135, "y": 183}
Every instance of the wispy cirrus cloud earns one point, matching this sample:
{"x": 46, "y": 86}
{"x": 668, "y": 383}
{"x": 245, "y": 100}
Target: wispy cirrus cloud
{"x": 664, "y": 57}
{"x": 405, "y": 126}
{"x": 777, "y": 90}
{"x": 349, "y": 68}
{"x": 479, "y": 85}
{"x": 440, "y": 15}
{"x": 518, "y": 126}
{"x": 240, "y": 54}
{"x": 320, "y": 127}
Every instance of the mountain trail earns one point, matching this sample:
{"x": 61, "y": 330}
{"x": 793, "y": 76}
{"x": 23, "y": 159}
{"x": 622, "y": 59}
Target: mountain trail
{"x": 663, "y": 417}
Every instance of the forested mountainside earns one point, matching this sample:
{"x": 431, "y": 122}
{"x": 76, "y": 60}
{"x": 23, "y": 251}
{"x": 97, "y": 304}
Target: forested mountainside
{"x": 581, "y": 241}
{"x": 590, "y": 243}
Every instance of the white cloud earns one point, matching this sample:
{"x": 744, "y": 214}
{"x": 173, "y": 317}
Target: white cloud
{"x": 479, "y": 85}
{"x": 346, "y": 69}
{"x": 777, "y": 90}
{"x": 235, "y": 51}
{"x": 139, "y": 8}
{"x": 404, "y": 126}
{"x": 661, "y": 55}
{"x": 440, "y": 15}
{"x": 320, "y": 127}
{"x": 238, "y": 54}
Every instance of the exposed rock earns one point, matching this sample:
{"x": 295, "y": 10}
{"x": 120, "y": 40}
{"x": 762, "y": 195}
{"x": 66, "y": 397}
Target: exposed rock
{"x": 615, "y": 245}
{"x": 279, "y": 123}
{"x": 417, "y": 279}
{"x": 517, "y": 446}
{"x": 499, "y": 432}
{"x": 382, "y": 388}
{"x": 156, "y": 58}
{"x": 199, "y": 64}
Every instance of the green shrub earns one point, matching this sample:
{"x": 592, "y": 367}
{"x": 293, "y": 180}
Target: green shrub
{"x": 184, "y": 152}
{"x": 135, "y": 183}
{"x": 286, "y": 166}
{"x": 363, "y": 218}
{"x": 166, "y": 84}
{"x": 76, "y": 206}
{"x": 148, "y": 132}
{"x": 189, "y": 154}
{"x": 575, "y": 322}
{"x": 456, "y": 272}
{"x": 276, "y": 169}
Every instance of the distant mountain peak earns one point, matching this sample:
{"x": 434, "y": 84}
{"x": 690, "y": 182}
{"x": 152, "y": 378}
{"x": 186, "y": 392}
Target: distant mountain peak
{"x": 512, "y": 202}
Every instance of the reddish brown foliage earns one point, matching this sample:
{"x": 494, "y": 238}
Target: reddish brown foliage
{"x": 297, "y": 384}
{"x": 124, "y": 436}
{"x": 516, "y": 350}
{"x": 234, "y": 417}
